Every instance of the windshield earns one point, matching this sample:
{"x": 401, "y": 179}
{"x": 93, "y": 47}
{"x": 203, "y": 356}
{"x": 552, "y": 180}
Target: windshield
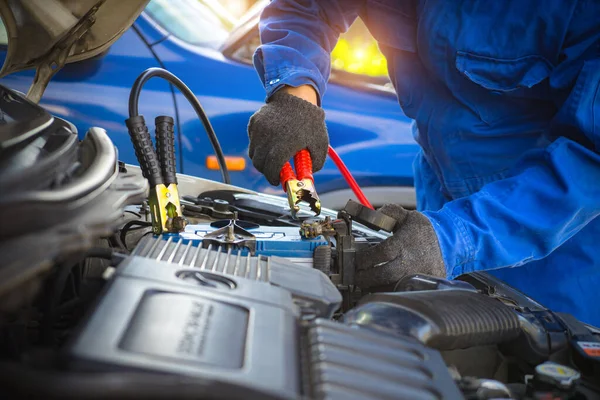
{"x": 193, "y": 21}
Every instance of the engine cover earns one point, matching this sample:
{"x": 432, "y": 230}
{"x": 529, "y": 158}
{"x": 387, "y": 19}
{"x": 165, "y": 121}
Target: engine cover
{"x": 311, "y": 289}
{"x": 156, "y": 316}
{"x": 254, "y": 323}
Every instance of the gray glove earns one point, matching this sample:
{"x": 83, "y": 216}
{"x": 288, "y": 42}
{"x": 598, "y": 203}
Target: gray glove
{"x": 413, "y": 248}
{"x": 283, "y": 127}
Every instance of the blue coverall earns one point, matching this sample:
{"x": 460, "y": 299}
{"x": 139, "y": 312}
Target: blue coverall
{"x": 506, "y": 99}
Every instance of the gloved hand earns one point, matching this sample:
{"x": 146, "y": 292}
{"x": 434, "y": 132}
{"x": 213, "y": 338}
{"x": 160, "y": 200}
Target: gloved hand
{"x": 281, "y": 128}
{"x": 413, "y": 248}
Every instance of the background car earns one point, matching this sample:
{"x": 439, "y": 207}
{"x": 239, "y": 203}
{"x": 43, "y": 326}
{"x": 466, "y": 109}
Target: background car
{"x": 214, "y": 58}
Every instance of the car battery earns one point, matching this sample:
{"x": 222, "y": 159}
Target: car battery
{"x": 279, "y": 241}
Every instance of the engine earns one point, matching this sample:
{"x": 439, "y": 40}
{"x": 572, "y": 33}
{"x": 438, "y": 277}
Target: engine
{"x": 256, "y": 324}
{"x": 245, "y": 302}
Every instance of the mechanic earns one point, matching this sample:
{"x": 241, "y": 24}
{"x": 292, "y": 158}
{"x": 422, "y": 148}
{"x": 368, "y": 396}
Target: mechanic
{"x": 506, "y": 100}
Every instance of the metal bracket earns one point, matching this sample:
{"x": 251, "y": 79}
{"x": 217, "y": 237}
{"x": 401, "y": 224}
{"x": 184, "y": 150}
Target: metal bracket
{"x": 231, "y": 235}
{"x": 56, "y": 58}
{"x": 346, "y": 250}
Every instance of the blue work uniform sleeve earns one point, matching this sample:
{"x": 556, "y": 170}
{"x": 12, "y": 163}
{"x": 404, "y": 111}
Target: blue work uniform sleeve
{"x": 297, "y": 38}
{"x": 555, "y": 195}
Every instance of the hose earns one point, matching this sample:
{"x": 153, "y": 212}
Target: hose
{"x": 441, "y": 319}
{"x": 134, "y": 96}
{"x": 348, "y": 177}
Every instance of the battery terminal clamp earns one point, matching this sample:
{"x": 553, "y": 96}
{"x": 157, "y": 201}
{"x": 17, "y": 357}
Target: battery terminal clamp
{"x": 159, "y": 169}
{"x": 300, "y": 185}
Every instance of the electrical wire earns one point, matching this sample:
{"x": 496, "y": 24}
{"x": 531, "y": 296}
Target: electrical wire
{"x": 134, "y": 96}
{"x": 130, "y": 226}
{"x": 348, "y": 177}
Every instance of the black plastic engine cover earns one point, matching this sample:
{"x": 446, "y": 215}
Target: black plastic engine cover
{"x": 442, "y": 319}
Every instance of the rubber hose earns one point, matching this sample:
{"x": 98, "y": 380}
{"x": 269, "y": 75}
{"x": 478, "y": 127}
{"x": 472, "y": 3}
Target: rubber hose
{"x": 322, "y": 259}
{"x": 452, "y": 319}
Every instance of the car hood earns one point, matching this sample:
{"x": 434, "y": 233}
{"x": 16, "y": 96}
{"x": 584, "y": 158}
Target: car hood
{"x": 54, "y": 32}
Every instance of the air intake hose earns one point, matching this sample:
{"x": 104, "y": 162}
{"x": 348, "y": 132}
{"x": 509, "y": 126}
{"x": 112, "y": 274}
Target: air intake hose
{"x": 444, "y": 320}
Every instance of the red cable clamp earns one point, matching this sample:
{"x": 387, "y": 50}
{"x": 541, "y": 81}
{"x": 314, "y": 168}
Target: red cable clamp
{"x": 300, "y": 185}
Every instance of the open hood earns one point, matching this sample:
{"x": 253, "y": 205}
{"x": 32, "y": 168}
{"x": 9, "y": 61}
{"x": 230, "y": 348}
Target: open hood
{"x": 46, "y": 34}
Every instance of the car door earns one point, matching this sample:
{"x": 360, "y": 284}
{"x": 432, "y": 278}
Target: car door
{"x": 95, "y": 92}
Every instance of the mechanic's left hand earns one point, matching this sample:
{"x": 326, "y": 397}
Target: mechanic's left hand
{"x": 413, "y": 248}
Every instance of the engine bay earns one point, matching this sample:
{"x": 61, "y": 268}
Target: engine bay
{"x": 244, "y": 301}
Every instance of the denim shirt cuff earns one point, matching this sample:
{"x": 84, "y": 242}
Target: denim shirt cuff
{"x": 292, "y": 77}
{"x": 296, "y": 72}
{"x": 456, "y": 243}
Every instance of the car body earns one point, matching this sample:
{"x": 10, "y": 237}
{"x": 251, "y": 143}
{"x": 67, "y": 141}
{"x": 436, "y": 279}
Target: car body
{"x": 245, "y": 302}
{"x": 365, "y": 123}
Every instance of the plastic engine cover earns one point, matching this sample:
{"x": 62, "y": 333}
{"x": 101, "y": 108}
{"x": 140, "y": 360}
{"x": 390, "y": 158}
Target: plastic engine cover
{"x": 156, "y": 317}
{"x": 312, "y": 290}
{"x": 240, "y": 331}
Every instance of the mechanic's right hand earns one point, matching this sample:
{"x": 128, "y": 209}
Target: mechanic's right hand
{"x": 281, "y": 128}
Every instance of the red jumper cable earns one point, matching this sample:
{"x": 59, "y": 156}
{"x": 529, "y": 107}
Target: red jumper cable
{"x": 300, "y": 185}
{"x": 349, "y": 178}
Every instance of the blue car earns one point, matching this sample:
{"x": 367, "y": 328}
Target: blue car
{"x": 365, "y": 123}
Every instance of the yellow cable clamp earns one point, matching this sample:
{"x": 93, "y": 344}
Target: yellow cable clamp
{"x": 166, "y": 209}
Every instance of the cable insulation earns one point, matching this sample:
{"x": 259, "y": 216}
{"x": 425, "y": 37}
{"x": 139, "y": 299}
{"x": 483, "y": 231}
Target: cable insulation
{"x": 134, "y": 96}
{"x": 349, "y": 178}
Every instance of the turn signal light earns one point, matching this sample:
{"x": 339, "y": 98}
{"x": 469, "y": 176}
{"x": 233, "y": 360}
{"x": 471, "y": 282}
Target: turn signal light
{"x": 233, "y": 163}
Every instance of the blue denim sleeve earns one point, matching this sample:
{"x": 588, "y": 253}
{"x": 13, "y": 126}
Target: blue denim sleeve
{"x": 297, "y": 38}
{"x": 555, "y": 195}
{"x": 555, "y": 191}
